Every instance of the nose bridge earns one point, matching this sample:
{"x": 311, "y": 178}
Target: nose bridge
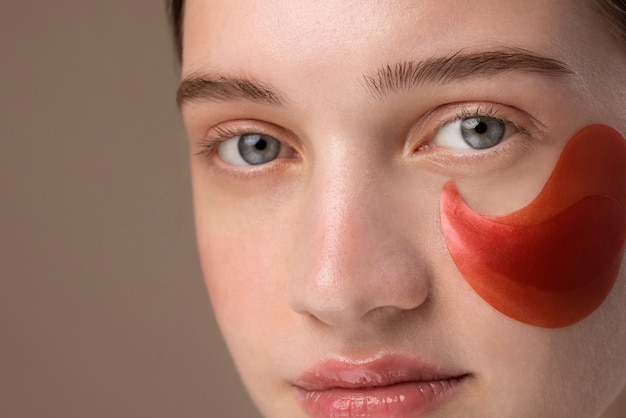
{"x": 340, "y": 207}
{"x": 352, "y": 257}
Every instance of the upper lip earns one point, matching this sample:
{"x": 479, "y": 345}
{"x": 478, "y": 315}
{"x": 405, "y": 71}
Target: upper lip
{"x": 376, "y": 372}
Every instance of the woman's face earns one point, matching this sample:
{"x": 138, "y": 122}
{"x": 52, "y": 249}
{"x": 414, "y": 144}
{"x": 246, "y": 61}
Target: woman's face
{"x": 322, "y": 241}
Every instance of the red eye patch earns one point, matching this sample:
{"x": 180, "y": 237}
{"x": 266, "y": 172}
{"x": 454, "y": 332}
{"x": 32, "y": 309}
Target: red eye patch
{"x": 553, "y": 262}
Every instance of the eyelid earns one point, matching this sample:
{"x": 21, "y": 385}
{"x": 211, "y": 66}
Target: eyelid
{"x": 422, "y": 133}
{"x": 223, "y": 131}
{"x": 449, "y": 136}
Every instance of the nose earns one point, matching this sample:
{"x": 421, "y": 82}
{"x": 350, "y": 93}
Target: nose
{"x": 354, "y": 253}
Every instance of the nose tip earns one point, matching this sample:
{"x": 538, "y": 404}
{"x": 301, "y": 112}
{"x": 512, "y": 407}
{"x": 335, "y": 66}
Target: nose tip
{"x": 341, "y": 282}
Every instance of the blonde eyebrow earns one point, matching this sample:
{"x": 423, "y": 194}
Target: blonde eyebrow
{"x": 207, "y": 87}
{"x": 462, "y": 65}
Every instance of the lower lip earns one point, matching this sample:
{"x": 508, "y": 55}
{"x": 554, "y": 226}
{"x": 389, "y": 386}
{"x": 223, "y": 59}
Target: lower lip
{"x": 413, "y": 399}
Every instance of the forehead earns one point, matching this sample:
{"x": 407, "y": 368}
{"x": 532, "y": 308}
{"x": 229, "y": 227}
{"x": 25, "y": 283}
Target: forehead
{"x": 323, "y": 34}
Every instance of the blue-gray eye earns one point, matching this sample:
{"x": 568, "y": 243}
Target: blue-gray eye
{"x": 477, "y": 132}
{"x": 251, "y": 149}
{"x": 482, "y": 132}
{"x": 258, "y": 149}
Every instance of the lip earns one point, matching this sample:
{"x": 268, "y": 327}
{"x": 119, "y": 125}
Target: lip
{"x": 387, "y": 386}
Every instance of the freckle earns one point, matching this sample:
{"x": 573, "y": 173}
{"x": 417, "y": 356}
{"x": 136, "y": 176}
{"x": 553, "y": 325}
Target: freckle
{"x": 552, "y": 263}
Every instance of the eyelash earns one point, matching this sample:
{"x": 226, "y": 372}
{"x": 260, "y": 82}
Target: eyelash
{"x": 209, "y": 144}
{"x": 465, "y": 112}
{"x": 432, "y": 123}
{"x": 491, "y": 110}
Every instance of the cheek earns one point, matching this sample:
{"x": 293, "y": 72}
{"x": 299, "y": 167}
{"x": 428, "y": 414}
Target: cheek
{"x": 238, "y": 285}
{"x": 245, "y": 275}
{"x": 552, "y": 263}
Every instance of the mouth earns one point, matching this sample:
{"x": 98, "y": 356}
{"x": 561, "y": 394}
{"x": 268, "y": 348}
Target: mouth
{"x": 387, "y": 387}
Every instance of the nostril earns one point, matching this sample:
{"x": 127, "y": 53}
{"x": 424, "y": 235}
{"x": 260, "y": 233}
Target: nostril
{"x": 337, "y": 316}
{"x": 378, "y": 289}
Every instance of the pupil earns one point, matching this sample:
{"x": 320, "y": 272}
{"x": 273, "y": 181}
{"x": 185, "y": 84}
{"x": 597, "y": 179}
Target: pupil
{"x": 481, "y": 128}
{"x": 261, "y": 144}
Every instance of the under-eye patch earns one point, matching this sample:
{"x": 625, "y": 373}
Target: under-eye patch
{"x": 553, "y": 262}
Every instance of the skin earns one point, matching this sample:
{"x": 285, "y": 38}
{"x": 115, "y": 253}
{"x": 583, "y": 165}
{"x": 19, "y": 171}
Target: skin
{"x": 336, "y": 248}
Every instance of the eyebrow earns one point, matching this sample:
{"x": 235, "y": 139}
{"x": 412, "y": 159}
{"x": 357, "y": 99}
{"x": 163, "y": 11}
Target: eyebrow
{"x": 222, "y": 88}
{"x": 460, "y": 66}
{"x": 403, "y": 75}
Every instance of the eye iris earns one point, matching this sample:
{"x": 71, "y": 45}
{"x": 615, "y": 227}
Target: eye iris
{"x": 258, "y": 149}
{"x": 482, "y": 132}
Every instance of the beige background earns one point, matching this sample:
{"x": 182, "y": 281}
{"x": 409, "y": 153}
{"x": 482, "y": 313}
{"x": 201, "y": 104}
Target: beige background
{"x": 103, "y": 312}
